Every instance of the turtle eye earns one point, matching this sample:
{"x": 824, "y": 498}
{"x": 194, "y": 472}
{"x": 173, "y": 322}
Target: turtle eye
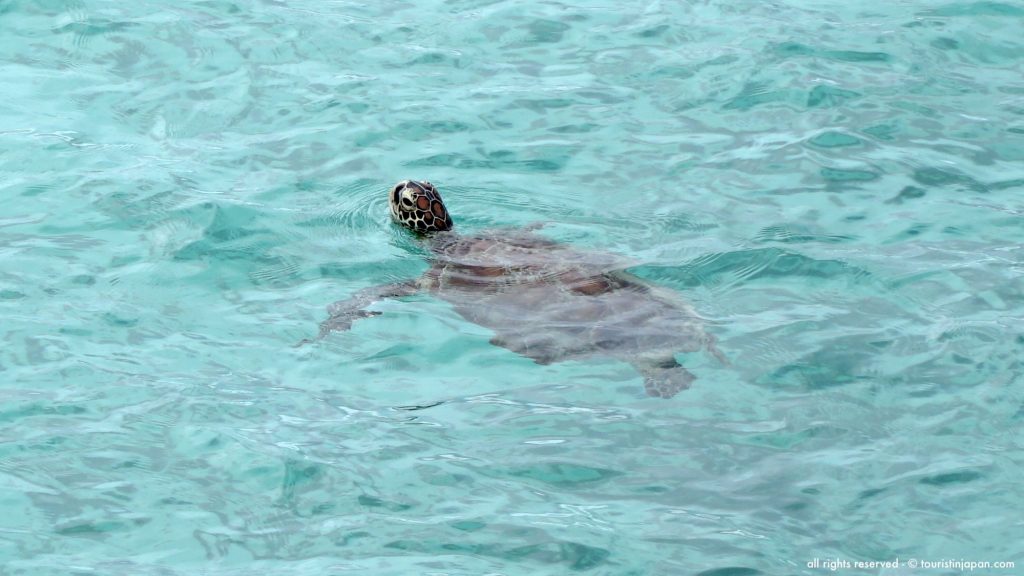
{"x": 407, "y": 203}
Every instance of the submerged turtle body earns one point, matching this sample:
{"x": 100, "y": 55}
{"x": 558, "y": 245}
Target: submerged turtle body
{"x": 544, "y": 300}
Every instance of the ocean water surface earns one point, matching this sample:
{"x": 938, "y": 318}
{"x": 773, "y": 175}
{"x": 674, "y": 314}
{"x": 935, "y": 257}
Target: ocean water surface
{"x": 837, "y": 187}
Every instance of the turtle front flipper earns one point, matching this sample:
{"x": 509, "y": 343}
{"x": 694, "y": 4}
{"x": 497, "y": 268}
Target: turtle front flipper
{"x": 343, "y": 313}
{"x": 540, "y": 351}
{"x": 663, "y": 377}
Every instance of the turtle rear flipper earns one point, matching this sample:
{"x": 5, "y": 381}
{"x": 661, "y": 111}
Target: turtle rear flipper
{"x": 663, "y": 378}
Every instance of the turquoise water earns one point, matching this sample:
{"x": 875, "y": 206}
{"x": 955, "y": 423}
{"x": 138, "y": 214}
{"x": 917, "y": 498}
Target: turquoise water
{"x": 186, "y": 185}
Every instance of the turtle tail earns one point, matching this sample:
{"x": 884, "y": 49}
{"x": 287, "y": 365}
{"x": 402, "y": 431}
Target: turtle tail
{"x": 714, "y": 351}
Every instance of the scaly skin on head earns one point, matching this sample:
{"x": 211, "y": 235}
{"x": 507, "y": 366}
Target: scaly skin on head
{"x": 418, "y": 207}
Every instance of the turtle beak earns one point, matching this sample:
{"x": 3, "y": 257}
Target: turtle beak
{"x": 396, "y": 192}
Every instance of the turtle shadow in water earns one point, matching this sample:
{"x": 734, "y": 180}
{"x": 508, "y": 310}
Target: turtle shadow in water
{"x": 544, "y": 300}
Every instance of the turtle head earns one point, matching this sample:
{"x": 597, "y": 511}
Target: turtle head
{"x": 418, "y": 206}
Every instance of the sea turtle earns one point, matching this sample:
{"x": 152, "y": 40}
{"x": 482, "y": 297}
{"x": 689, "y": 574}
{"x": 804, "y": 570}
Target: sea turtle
{"x": 544, "y": 300}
